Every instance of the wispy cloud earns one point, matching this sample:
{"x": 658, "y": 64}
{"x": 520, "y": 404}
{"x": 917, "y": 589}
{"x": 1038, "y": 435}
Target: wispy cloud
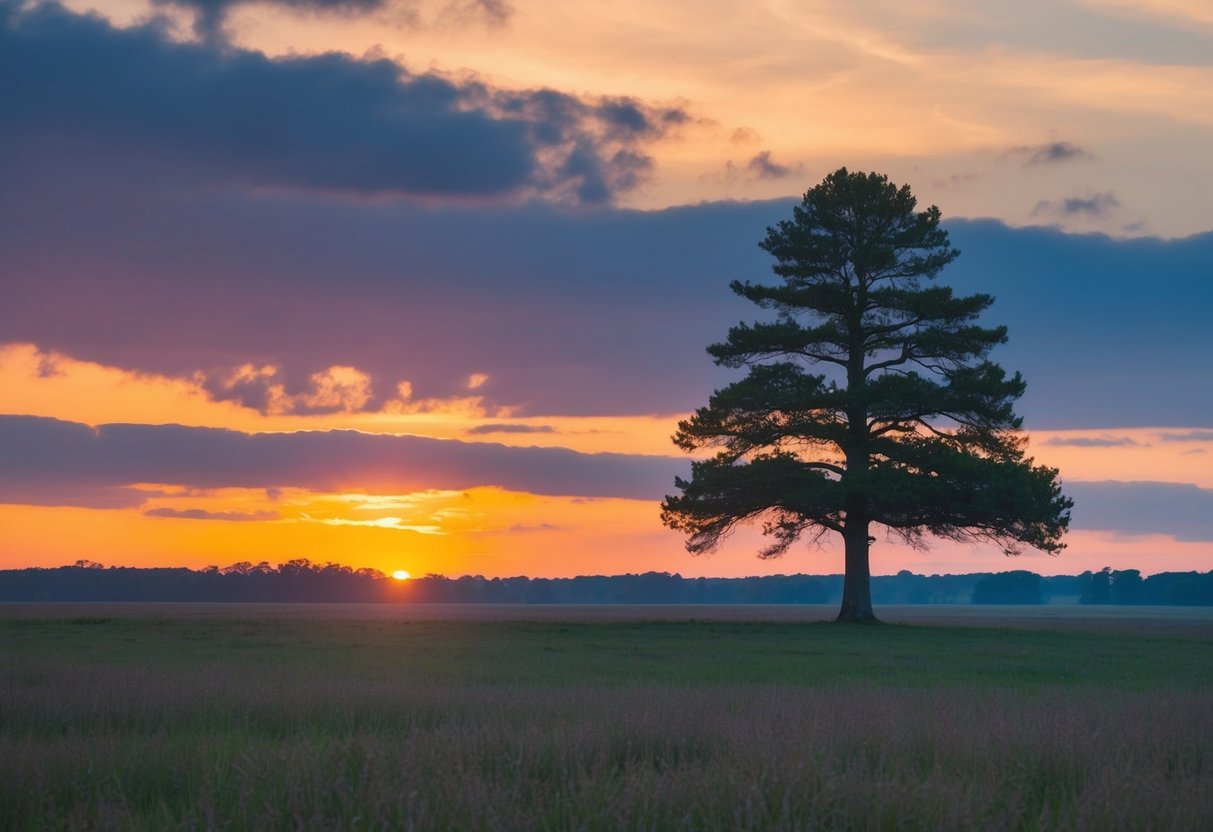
{"x": 505, "y": 427}
{"x": 202, "y": 514}
{"x": 1092, "y": 205}
{"x": 1187, "y": 436}
{"x": 533, "y": 527}
{"x": 1091, "y": 441}
{"x": 762, "y": 166}
{"x": 1048, "y": 154}
{"x": 395, "y": 523}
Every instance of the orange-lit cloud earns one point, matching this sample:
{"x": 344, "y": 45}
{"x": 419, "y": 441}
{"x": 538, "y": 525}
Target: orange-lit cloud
{"x": 39, "y": 383}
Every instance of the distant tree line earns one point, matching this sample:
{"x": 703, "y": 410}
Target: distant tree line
{"x": 301, "y": 580}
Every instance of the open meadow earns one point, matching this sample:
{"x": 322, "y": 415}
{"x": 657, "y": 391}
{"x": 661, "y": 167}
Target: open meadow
{"x": 378, "y": 716}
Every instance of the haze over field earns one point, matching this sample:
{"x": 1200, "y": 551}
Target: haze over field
{"x": 426, "y": 285}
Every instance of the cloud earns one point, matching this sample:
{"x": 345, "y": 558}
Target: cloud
{"x": 1049, "y": 154}
{"x": 1094, "y": 205}
{"x": 481, "y": 430}
{"x": 256, "y": 295}
{"x": 1100, "y": 341}
{"x": 179, "y": 285}
{"x": 201, "y": 514}
{"x": 396, "y": 523}
{"x": 744, "y": 135}
{"x": 956, "y": 180}
{"x": 270, "y": 297}
{"x": 463, "y": 12}
{"x": 210, "y": 15}
{"x": 1181, "y": 510}
{"x": 40, "y": 492}
{"x": 762, "y": 166}
{"x": 336, "y": 389}
{"x": 39, "y": 455}
{"x": 1091, "y": 441}
{"x": 79, "y": 90}
{"x": 1188, "y": 436}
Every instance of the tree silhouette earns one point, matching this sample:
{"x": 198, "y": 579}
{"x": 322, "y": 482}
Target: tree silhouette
{"x": 911, "y": 428}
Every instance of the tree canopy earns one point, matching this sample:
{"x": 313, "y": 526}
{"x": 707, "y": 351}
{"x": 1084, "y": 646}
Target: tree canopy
{"x": 910, "y": 427}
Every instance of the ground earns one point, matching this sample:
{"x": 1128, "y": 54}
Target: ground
{"x": 349, "y": 716}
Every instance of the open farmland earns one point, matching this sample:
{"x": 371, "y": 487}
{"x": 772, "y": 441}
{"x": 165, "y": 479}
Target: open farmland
{"x": 229, "y": 716}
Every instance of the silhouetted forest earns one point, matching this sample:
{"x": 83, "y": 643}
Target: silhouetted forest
{"x": 302, "y": 580}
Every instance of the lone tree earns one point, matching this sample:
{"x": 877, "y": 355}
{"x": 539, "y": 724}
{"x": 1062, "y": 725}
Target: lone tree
{"x": 912, "y": 428}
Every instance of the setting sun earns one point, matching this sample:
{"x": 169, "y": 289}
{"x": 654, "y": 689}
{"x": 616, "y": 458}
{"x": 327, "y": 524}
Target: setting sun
{"x": 401, "y": 575}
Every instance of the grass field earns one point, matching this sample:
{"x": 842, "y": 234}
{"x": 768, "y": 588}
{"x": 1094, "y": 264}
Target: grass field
{"x": 230, "y": 717}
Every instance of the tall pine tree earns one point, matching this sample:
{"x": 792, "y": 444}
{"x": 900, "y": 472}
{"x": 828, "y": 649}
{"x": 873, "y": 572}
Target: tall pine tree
{"x": 911, "y": 427}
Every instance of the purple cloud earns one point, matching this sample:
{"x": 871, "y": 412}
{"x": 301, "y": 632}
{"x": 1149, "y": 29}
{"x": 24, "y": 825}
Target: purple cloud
{"x": 81, "y": 465}
{"x": 1181, "y": 510}
{"x": 38, "y": 455}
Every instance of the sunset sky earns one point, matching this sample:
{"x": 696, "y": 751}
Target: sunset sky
{"x": 426, "y": 284}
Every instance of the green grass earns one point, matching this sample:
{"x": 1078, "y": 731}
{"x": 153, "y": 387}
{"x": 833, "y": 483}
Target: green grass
{"x": 263, "y": 722}
{"x": 614, "y": 654}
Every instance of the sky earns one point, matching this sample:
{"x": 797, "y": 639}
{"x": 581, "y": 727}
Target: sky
{"x": 426, "y": 284}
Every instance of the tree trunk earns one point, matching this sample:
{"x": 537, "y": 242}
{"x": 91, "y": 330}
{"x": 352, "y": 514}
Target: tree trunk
{"x": 857, "y": 582}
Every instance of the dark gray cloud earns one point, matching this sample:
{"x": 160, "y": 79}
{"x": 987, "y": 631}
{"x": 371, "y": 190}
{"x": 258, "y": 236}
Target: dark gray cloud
{"x": 1181, "y": 510}
{"x": 482, "y": 430}
{"x": 39, "y": 454}
{"x": 1049, "y": 154}
{"x": 202, "y": 514}
{"x": 132, "y": 100}
{"x": 1090, "y": 441}
{"x": 1094, "y": 205}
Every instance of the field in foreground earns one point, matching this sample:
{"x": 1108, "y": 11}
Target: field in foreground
{"x": 233, "y": 717}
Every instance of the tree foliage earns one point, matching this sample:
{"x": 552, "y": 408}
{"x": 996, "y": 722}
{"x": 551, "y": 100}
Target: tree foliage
{"x": 910, "y": 426}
